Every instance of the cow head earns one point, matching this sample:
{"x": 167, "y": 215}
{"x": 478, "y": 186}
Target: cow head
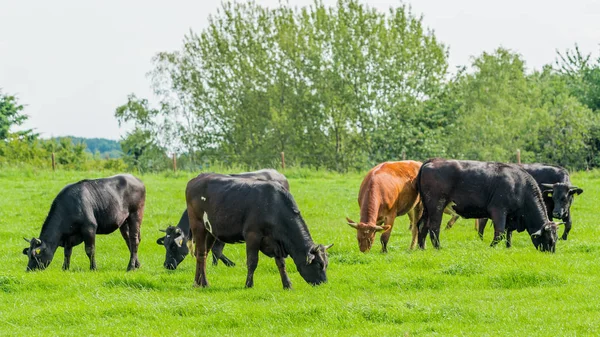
{"x": 175, "y": 242}
{"x": 315, "y": 268}
{"x": 545, "y": 238}
{"x": 562, "y": 196}
{"x": 40, "y": 255}
{"x": 365, "y": 234}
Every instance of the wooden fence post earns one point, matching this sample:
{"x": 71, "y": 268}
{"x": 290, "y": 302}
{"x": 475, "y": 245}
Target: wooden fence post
{"x": 403, "y": 155}
{"x": 174, "y": 163}
{"x": 53, "y": 162}
{"x": 282, "y": 161}
{"x": 518, "y": 156}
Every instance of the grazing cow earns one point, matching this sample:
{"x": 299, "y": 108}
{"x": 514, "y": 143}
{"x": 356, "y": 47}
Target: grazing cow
{"x": 84, "y": 209}
{"x": 505, "y": 193}
{"x": 176, "y": 240}
{"x": 557, "y": 191}
{"x": 389, "y": 190}
{"x": 261, "y": 213}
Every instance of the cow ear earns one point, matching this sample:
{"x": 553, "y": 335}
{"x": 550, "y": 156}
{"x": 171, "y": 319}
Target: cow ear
{"x": 179, "y": 241}
{"x": 161, "y": 241}
{"x": 26, "y": 251}
{"x": 309, "y": 258}
{"x": 537, "y": 234}
{"x": 575, "y": 190}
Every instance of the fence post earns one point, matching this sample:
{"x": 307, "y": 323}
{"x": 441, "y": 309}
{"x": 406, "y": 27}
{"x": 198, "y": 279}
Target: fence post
{"x": 518, "y": 156}
{"x": 174, "y": 163}
{"x": 53, "y": 162}
{"x": 403, "y": 155}
{"x": 282, "y": 161}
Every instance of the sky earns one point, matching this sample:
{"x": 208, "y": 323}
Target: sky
{"x": 72, "y": 62}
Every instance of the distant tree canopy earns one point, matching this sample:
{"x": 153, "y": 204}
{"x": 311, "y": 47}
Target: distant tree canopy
{"x": 338, "y": 87}
{"x": 345, "y": 87}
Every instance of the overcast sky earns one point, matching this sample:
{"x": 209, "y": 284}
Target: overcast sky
{"x": 73, "y": 62}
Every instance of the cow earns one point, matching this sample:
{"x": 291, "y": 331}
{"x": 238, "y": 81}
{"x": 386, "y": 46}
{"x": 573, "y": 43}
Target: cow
{"x": 505, "y": 193}
{"x": 557, "y": 191}
{"x": 263, "y": 214}
{"x": 84, "y": 209}
{"x": 388, "y": 191}
{"x": 176, "y": 240}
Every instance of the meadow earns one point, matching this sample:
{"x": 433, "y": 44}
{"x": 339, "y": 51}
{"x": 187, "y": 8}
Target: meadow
{"x": 464, "y": 289}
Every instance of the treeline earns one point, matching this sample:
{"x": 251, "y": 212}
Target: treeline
{"x": 346, "y": 87}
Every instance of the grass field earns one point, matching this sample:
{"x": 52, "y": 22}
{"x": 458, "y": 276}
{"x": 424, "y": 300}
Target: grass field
{"x": 465, "y": 288}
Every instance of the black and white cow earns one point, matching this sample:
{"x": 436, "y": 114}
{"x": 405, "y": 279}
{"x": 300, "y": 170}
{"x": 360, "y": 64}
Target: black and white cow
{"x": 177, "y": 240}
{"x": 263, "y": 214}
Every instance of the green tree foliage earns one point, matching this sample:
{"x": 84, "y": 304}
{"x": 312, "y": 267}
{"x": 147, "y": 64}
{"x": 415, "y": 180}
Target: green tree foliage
{"x": 339, "y": 87}
{"x": 500, "y": 109}
{"x": 11, "y": 115}
{"x": 141, "y": 146}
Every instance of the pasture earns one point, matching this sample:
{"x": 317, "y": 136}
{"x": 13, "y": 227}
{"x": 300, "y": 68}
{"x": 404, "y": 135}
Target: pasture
{"x": 465, "y": 288}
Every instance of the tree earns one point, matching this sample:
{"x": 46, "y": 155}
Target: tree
{"x": 142, "y": 146}
{"x": 329, "y": 86}
{"x": 11, "y": 115}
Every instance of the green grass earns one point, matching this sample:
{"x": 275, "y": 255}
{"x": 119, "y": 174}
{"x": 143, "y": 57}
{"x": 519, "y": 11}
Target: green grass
{"x": 466, "y": 288}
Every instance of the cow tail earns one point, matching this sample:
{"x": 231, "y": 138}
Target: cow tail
{"x": 424, "y": 214}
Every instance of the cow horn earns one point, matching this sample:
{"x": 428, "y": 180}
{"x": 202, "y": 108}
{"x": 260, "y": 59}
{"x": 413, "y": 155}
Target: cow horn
{"x": 536, "y": 234}
{"x": 560, "y": 223}
{"x": 550, "y": 186}
{"x": 379, "y": 228}
{"x": 353, "y": 225}
{"x": 26, "y": 239}
{"x": 38, "y": 241}
{"x": 162, "y": 230}
{"x": 328, "y": 246}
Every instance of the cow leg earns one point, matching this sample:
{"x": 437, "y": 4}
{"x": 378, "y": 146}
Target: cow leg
{"x": 134, "y": 223}
{"x": 481, "y": 223}
{"x": 499, "y": 219}
{"x": 413, "y": 216}
{"x": 68, "y": 251}
{"x": 202, "y": 238}
{"x": 435, "y": 222}
{"x": 124, "y": 229}
{"x": 509, "y": 238}
{"x": 423, "y": 228}
{"x": 385, "y": 236}
{"x": 280, "y": 261}
{"x": 452, "y": 221}
{"x": 568, "y": 223}
{"x": 217, "y": 254}
{"x": 90, "y": 248}
{"x": 252, "y": 247}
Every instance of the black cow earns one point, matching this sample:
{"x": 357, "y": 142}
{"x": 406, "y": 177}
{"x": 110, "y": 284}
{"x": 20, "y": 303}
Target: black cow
{"x": 176, "y": 240}
{"x": 84, "y": 209}
{"x": 557, "y": 192}
{"x": 261, "y": 213}
{"x": 505, "y": 193}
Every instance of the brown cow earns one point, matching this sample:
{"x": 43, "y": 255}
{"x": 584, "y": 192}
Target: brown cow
{"x": 387, "y": 191}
